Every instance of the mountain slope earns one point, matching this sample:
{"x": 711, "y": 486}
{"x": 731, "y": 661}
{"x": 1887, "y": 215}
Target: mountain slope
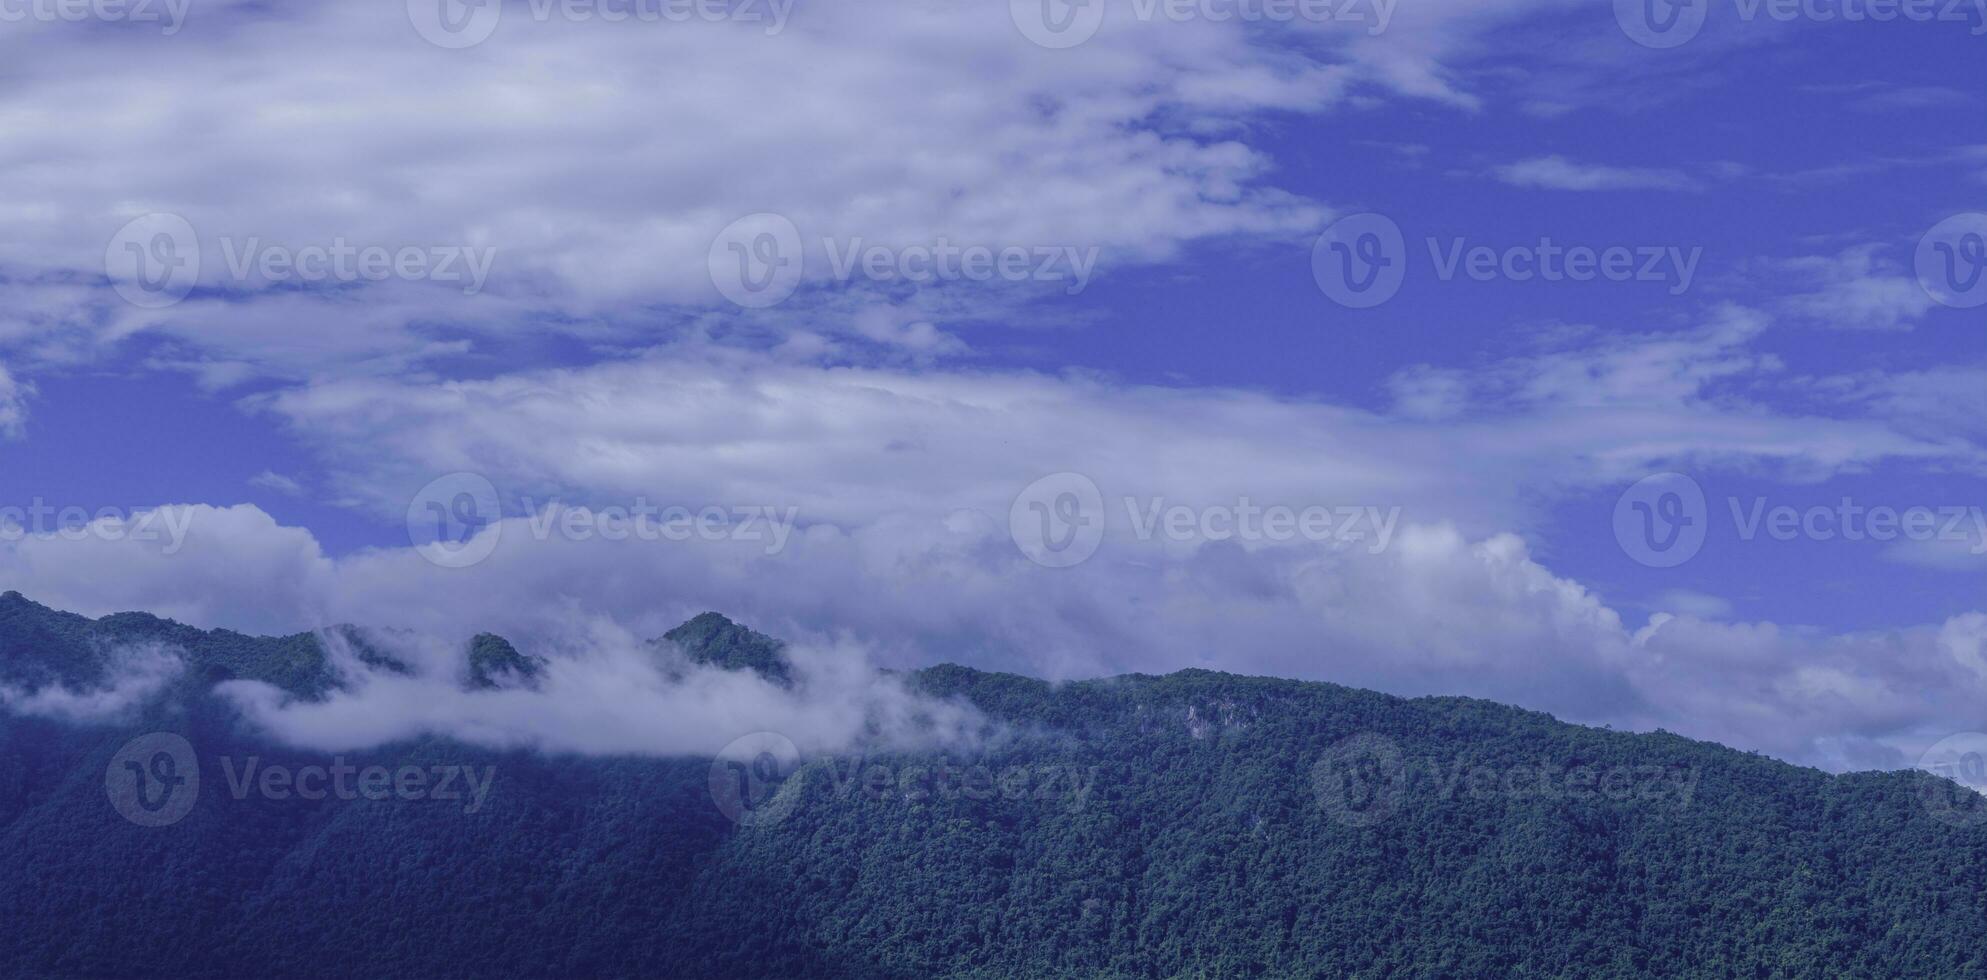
{"x": 1192, "y": 825}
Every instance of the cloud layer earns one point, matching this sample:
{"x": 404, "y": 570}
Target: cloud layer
{"x": 603, "y": 692}
{"x": 904, "y": 486}
{"x": 132, "y": 676}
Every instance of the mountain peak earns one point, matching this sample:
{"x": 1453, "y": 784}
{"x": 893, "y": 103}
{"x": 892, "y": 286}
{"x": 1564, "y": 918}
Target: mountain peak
{"x": 712, "y": 638}
{"x": 492, "y": 659}
{"x": 705, "y": 621}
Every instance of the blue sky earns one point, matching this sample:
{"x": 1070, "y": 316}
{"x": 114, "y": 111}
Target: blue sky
{"x": 1800, "y": 164}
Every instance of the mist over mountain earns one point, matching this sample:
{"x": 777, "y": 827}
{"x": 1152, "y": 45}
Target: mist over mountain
{"x": 966, "y": 824}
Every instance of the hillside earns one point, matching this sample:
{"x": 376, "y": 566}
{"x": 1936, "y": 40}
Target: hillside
{"x": 1192, "y": 825}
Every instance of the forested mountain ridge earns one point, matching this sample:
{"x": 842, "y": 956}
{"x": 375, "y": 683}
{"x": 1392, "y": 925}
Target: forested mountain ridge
{"x": 1191, "y": 825}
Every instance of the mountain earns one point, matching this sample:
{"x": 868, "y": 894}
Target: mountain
{"x": 709, "y": 638}
{"x": 1192, "y": 825}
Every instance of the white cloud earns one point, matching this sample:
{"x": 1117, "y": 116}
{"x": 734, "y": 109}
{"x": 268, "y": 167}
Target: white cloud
{"x": 272, "y": 480}
{"x": 1964, "y": 551}
{"x": 1889, "y": 96}
{"x": 14, "y": 397}
{"x": 1829, "y": 700}
{"x": 600, "y": 161}
{"x": 132, "y": 675}
{"x": 1587, "y": 368}
{"x": 1434, "y": 613}
{"x": 1560, "y": 174}
{"x": 1696, "y": 604}
{"x": 1943, "y": 402}
{"x": 111, "y": 567}
{"x": 1856, "y": 289}
{"x": 852, "y": 446}
{"x": 903, "y": 483}
{"x": 605, "y": 693}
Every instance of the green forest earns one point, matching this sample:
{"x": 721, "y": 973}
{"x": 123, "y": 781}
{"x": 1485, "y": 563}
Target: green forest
{"x": 1194, "y": 825}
